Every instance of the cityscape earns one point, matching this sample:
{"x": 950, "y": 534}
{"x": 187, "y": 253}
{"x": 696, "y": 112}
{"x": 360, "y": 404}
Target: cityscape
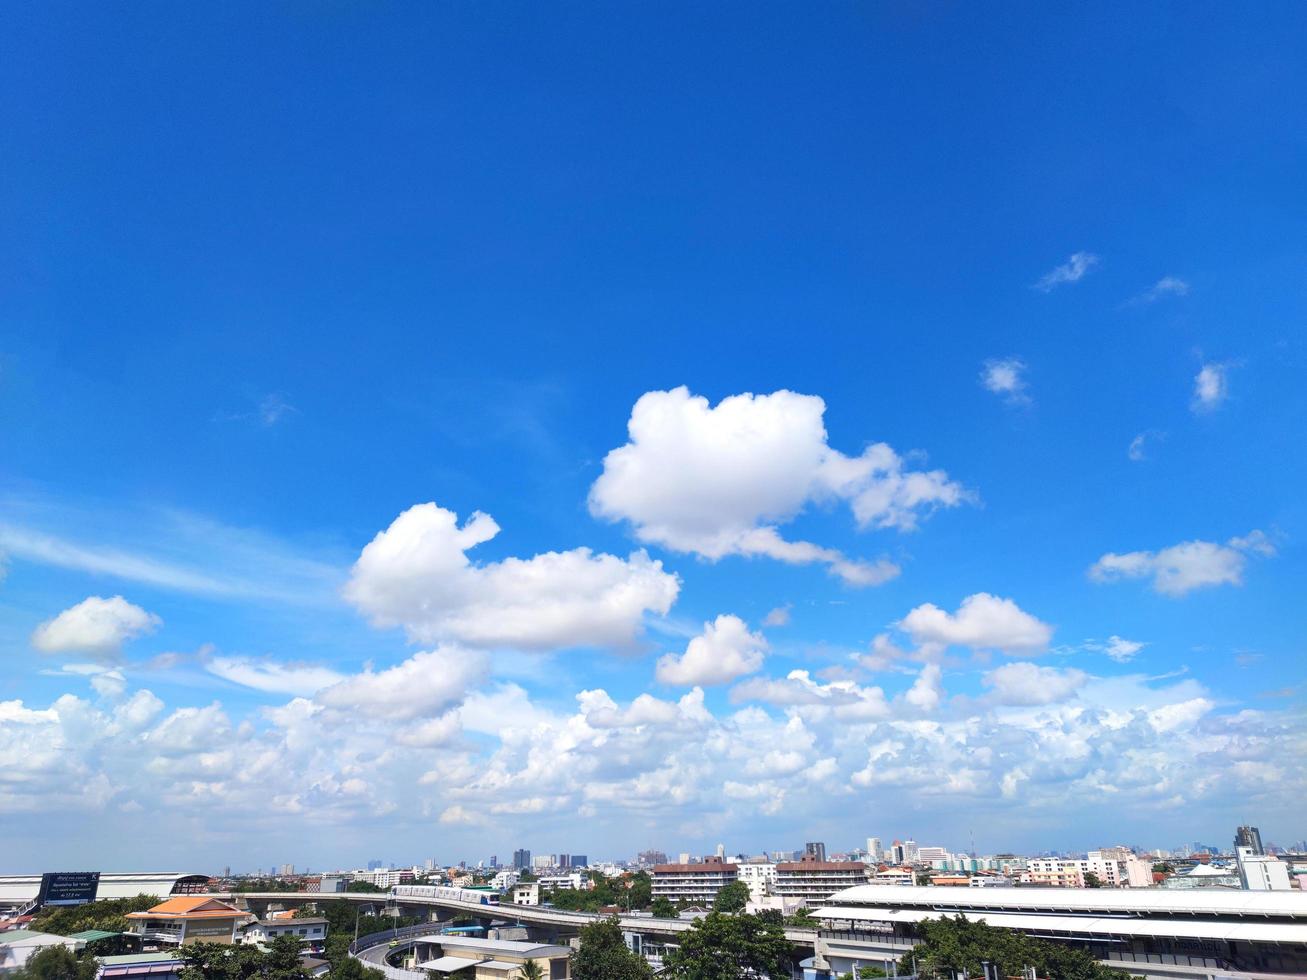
{"x": 501, "y": 490}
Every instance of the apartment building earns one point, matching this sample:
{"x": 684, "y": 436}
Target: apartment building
{"x": 698, "y": 883}
{"x": 813, "y": 881}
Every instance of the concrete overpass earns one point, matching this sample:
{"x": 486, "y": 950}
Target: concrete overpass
{"x": 531, "y": 915}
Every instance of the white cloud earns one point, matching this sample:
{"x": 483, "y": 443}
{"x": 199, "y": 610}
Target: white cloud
{"x": 272, "y": 676}
{"x": 720, "y": 480}
{"x": 423, "y": 685}
{"x": 1181, "y": 568}
{"x": 1031, "y": 685}
{"x": 983, "y": 621}
{"x": 417, "y": 574}
{"x": 1166, "y": 286}
{"x": 601, "y": 711}
{"x": 1138, "y": 449}
{"x": 1072, "y": 270}
{"x": 95, "y": 626}
{"x": 1004, "y": 376}
{"x": 1211, "y": 387}
{"x": 798, "y": 689}
{"x": 780, "y": 616}
{"x": 724, "y": 651}
{"x": 927, "y": 690}
{"x": 1122, "y": 650}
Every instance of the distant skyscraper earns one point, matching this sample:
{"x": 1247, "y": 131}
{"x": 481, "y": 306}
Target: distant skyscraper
{"x": 580, "y": 861}
{"x": 374, "y": 864}
{"x": 494, "y": 860}
{"x": 564, "y": 860}
{"x": 721, "y": 850}
{"x": 815, "y": 849}
{"x": 1250, "y": 837}
{"x": 522, "y": 859}
{"x": 873, "y": 848}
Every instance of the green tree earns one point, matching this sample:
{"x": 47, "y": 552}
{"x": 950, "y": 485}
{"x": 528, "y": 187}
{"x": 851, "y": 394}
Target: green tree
{"x": 802, "y": 918}
{"x": 603, "y": 955}
{"x": 1092, "y": 880}
{"x": 1164, "y": 867}
{"x": 530, "y": 970}
{"x": 363, "y": 886}
{"x": 107, "y": 914}
{"x": 662, "y": 908}
{"x": 946, "y": 946}
{"x": 639, "y": 891}
{"x": 56, "y": 963}
{"x": 731, "y": 898}
{"x": 351, "y": 969}
{"x": 219, "y": 961}
{"x": 731, "y": 947}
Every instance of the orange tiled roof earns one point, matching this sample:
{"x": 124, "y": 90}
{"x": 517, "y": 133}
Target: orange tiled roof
{"x": 191, "y": 907}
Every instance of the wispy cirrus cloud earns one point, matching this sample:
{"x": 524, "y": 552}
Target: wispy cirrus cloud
{"x": 1075, "y": 268}
{"x": 1164, "y": 287}
{"x": 170, "y": 549}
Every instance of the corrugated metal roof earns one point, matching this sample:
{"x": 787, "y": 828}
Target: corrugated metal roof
{"x": 1092, "y": 925}
{"x": 1106, "y": 900}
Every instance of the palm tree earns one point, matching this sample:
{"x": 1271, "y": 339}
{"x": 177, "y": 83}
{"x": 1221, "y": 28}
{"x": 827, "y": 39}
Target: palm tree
{"x": 530, "y": 970}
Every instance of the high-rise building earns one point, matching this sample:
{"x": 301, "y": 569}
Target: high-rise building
{"x": 374, "y": 864}
{"x": 651, "y": 857}
{"x": 815, "y": 849}
{"x": 494, "y": 860}
{"x": 1249, "y": 837}
{"x": 721, "y": 850}
{"x": 580, "y": 861}
{"x": 874, "y": 848}
{"x": 564, "y": 860}
{"x": 522, "y": 859}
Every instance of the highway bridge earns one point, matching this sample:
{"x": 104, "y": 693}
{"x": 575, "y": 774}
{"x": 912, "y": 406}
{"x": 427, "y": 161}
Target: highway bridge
{"x": 528, "y": 915}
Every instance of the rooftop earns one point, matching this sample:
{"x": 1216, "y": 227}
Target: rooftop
{"x": 1103, "y": 900}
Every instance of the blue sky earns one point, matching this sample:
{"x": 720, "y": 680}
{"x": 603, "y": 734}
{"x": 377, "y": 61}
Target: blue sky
{"x": 275, "y": 276}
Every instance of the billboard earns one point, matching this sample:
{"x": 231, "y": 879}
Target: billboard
{"x": 68, "y": 887}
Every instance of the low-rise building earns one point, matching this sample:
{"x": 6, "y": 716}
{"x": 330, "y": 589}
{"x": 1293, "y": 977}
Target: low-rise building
{"x": 19, "y": 945}
{"x": 895, "y": 876}
{"x": 495, "y": 959}
{"x": 179, "y": 921}
{"x": 310, "y": 931}
{"x": 693, "y": 882}
{"x": 505, "y": 879}
{"x": 1262, "y": 872}
{"x": 526, "y": 893}
{"x": 576, "y": 880}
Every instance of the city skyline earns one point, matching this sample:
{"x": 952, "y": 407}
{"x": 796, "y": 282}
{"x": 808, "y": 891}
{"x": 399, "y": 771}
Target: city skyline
{"x": 429, "y": 432}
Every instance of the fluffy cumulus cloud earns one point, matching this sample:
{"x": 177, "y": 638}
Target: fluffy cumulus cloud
{"x": 1211, "y": 387}
{"x": 1005, "y": 377}
{"x": 724, "y": 651}
{"x": 721, "y": 480}
{"x": 95, "y": 626}
{"x": 391, "y": 744}
{"x": 425, "y": 684}
{"x": 982, "y": 622}
{"x": 1182, "y": 568}
{"x": 1079, "y": 265}
{"x": 417, "y": 574}
{"x": 1025, "y": 683}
